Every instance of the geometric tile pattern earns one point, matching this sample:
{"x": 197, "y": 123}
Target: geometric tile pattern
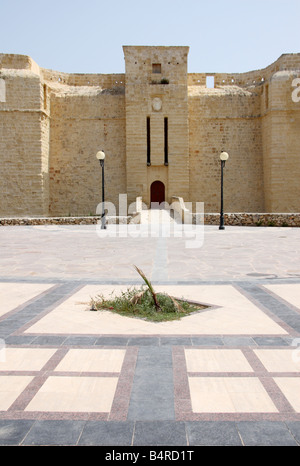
{"x": 229, "y": 310}
{"x": 75, "y": 394}
{"x": 216, "y": 360}
{"x": 236, "y": 384}
{"x": 287, "y": 292}
{"x": 229, "y": 395}
{"x": 225, "y": 376}
{"x": 12, "y": 296}
{"x": 290, "y": 387}
{"x": 279, "y": 360}
{"x": 92, "y": 360}
{"x": 11, "y": 386}
{"x": 51, "y": 379}
{"x": 25, "y": 359}
{"x": 66, "y": 383}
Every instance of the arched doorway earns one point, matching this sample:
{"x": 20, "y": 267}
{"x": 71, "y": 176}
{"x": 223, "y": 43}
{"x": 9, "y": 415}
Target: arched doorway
{"x": 157, "y": 194}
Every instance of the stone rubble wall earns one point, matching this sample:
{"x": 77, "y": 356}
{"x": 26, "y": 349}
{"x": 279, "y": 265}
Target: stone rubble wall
{"x": 252, "y": 219}
{"x": 233, "y": 219}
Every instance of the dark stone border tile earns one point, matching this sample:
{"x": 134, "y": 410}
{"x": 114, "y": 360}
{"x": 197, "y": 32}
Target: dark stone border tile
{"x": 12, "y": 432}
{"x": 270, "y": 341}
{"x": 143, "y": 341}
{"x": 209, "y": 433}
{"x": 152, "y": 396}
{"x": 55, "y": 340}
{"x": 51, "y": 432}
{"x": 174, "y": 341}
{"x": 281, "y": 312}
{"x": 112, "y": 341}
{"x": 20, "y": 339}
{"x": 294, "y": 427}
{"x": 207, "y": 341}
{"x": 239, "y": 341}
{"x": 265, "y": 433}
{"x": 156, "y": 433}
{"x": 78, "y": 340}
{"x": 107, "y": 433}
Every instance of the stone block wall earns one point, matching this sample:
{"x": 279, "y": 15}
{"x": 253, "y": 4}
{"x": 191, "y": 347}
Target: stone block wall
{"x": 147, "y": 86}
{"x": 24, "y": 130}
{"x": 223, "y": 119}
{"x": 281, "y": 144}
{"x": 81, "y": 125}
{"x": 53, "y": 123}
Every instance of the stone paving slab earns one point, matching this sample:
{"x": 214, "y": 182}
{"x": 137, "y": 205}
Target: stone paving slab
{"x": 227, "y": 313}
{"x": 190, "y": 379}
{"x": 226, "y": 376}
{"x": 234, "y": 254}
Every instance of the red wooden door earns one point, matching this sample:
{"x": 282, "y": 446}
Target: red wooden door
{"x": 157, "y": 193}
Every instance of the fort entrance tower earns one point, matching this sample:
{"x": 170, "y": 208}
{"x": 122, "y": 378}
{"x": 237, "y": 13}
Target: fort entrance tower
{"x": 156, "y": 107}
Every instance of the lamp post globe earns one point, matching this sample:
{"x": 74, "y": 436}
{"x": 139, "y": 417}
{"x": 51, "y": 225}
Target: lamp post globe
{"x": 224, "y": 156}
{"x": 100, "y": 155}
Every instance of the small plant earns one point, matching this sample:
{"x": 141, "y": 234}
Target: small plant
{"x": 145, "y": 303}
{"x": 150, "y": 288}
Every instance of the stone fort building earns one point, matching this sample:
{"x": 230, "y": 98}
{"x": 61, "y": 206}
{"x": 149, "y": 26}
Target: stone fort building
{"x": 162, "y": 130}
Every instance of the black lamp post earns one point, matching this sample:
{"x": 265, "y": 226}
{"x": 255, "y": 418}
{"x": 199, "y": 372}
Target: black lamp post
{"x": 223, "y": 157}
{"x": 101, "y": 156}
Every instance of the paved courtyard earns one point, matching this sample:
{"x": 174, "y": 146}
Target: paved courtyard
{"x": 228, "y": 375}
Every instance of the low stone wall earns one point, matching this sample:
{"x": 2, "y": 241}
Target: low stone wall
{"x": 253, "y": 219}
{"x": 63, "y": 220}
{"x": 237, "y": 219}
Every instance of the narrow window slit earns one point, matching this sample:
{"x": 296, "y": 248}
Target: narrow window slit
{"x": 148, "y": 142}
{"x": 166, "y": 150}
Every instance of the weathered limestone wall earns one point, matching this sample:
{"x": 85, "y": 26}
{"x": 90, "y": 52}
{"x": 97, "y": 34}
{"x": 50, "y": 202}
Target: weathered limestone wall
{"x": 258, "y": 123}
{"x": 53, "y": 123}
{"x": 85, "y": 120}
{"x": 144, "y": 88}
{"x": 226, "y": 118}
{"x": 23, "y": 139}
{"x": 281, "y": 143}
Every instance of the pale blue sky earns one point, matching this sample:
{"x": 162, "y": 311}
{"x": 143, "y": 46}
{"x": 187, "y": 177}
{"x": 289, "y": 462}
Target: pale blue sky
{"x": 87, "y": 36}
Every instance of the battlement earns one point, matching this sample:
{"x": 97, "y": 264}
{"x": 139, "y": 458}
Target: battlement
{"x": 141, "y": 59}
{"x": 285, "y": 62}
{"x": 18, "y": 62}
